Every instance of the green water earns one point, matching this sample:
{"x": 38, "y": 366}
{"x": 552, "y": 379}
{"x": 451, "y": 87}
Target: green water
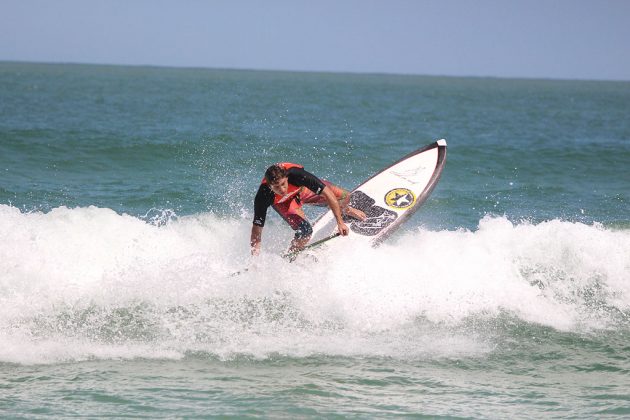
{"x": 126, "y": 201}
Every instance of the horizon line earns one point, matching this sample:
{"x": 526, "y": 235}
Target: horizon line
{"x": 331, "y": 72}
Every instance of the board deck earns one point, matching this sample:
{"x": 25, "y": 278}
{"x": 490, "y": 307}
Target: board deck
{"x": 390, "y": 197}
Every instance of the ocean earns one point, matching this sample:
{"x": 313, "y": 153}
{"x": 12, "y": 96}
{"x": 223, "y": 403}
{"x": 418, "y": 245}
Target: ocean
{"x": 126, "y": 203}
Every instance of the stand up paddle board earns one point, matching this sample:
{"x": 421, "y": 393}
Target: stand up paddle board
{"x": 389, "y": 197}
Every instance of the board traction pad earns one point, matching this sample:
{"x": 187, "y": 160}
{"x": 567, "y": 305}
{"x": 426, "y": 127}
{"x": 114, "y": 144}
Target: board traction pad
{"x": 377, "y": 217}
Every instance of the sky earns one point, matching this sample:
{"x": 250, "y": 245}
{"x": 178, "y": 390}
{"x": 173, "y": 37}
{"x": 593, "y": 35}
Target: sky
{"x": 557, "y": 39}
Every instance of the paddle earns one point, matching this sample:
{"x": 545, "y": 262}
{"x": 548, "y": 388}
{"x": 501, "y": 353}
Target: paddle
{"x": 293, "y": 254}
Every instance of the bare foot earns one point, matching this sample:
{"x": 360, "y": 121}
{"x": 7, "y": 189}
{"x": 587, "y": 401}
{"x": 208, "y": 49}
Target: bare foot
{"x": 356, "y": 213}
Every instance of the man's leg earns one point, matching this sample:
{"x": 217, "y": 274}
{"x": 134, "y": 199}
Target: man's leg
{"x": 342, "y": 196}
{"x": 294, "y": 215}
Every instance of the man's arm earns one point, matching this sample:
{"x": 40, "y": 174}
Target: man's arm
{"x": 334, "y": 206}
{"x": 263, "y": 199}
{"x": 255, "y": 239}
{"x": 298, "y": 176}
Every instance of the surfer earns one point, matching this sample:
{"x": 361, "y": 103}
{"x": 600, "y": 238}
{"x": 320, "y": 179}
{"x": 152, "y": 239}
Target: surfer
{"x": 285, "y": 187}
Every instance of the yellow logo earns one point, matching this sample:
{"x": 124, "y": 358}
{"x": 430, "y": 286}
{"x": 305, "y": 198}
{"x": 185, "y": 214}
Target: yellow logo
{"x": 400, "y": 198}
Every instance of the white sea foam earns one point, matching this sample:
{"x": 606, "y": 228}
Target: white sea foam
{"x": 90, "y": 283}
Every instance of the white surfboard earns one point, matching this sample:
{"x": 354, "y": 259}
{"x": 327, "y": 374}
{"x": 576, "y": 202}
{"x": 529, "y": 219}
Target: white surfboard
{"x": 389, "y": 197}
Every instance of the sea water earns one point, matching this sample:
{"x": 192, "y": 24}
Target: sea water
{"x": 126, "y": 201}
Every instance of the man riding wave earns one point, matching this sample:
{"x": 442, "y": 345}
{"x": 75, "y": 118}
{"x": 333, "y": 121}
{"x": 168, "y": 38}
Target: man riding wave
{"x": 286, "y": 187}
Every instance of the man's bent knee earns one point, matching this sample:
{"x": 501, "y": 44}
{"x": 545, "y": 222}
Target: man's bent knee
{"x": 304, "y": 230}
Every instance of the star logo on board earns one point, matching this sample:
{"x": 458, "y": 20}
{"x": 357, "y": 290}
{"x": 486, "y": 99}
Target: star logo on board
{"x": 400, "y": 198}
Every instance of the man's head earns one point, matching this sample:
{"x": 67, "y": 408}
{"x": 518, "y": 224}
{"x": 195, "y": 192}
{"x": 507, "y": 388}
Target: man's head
{"x": 276, "y": 177}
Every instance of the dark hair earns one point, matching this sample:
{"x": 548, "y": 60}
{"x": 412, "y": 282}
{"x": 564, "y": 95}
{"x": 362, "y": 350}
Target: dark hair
{"x": 274, "y": 173}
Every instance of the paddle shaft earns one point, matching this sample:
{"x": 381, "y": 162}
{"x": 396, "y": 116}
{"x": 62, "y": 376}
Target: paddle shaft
{"x": 313, "y": 245}
{"x": 294, "y": 253}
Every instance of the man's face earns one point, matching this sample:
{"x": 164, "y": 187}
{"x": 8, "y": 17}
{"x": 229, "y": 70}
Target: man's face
{"x": 280, "y": 186}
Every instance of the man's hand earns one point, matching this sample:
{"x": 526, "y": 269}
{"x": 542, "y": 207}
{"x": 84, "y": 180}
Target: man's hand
{"x": 343, "y": 229}
{"x": 255, "y": 239}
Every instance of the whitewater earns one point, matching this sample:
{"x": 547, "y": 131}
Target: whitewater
{"x": 87, "y": 282}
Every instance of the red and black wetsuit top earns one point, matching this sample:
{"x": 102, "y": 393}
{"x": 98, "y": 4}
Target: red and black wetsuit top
{"x": 297, "y": 178}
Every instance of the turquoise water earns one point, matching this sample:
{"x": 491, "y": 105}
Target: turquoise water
{"x": 126, "y": 203}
